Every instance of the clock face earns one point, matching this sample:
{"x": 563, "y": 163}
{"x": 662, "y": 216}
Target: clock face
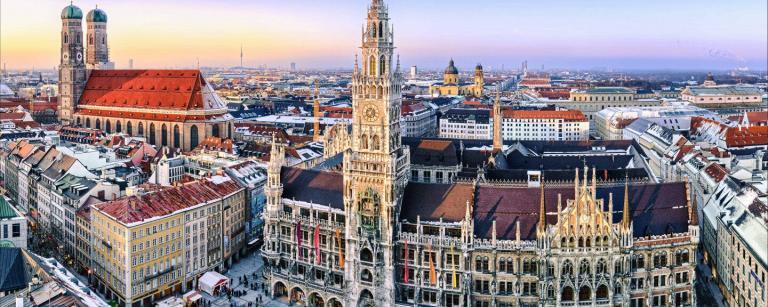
{"x": 370, "y": 113}
{"x": 66, "y": 56}
{"x": 79, "y": 56}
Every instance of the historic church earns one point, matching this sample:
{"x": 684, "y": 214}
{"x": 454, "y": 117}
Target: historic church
{"x": 365, "y": 235}
{"x": 172, "y": 108}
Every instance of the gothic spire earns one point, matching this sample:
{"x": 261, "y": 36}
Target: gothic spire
{"x": 542, "y": 209}
{"x": 498, "y": 142}
{"x": 625, "y": 210}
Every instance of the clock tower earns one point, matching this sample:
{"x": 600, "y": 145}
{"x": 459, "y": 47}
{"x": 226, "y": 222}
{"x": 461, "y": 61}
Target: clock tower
{"x": 376, "y": 167}
{"x": 72, "y": 72}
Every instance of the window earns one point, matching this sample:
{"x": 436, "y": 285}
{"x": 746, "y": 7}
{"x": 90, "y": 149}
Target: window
{"x": 16, "y": 230}
{"x": 481, "y": 264}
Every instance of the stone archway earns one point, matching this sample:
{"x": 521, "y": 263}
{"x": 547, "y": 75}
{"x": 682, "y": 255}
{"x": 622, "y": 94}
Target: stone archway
{"x": 298, "y": 296}
{"x": 602, "y": 292}
{"x": 141, "y": 129}
{"x": 333, "y": 302}
{"x": 567, "y": 294}
{"x": 279, "y": 290}
{"x": 129, "y": 128}
{"x": 316, "y": 300}
{"x": 366, "y": 299}
{"x": 118, "y": 127}
{"x": 585, "y": 294}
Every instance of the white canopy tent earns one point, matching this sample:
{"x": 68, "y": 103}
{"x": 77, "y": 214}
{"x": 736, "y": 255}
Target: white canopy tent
{"x": 213, "y": 283}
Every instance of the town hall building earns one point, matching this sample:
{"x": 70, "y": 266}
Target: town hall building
{"x": 368, "y": 236}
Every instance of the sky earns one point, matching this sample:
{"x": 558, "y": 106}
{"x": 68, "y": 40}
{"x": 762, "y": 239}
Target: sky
{"x": 581, "y": 34}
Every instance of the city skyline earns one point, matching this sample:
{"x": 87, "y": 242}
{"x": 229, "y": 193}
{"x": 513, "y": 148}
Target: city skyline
{"x": 584, "y": 35}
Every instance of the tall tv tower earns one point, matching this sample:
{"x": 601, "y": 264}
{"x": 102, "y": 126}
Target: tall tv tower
{"x": 241, "y": 56}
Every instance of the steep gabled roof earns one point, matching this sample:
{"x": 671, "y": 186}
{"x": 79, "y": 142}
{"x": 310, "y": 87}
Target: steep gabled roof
{"x": 13, "y": 272}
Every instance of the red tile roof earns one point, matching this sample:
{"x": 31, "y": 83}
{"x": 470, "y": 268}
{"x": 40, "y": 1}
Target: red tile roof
{"x": 569, "y": 115}
{"x": 716, "y": 171}
{"x": 133, "y": 209}
{"x": 746, "y": 136}
{"x": 157, "y": 89}
{"x": 757, "y": 118}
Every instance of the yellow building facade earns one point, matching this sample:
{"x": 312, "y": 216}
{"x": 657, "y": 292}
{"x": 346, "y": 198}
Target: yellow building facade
{"x": 452, "y": 85}
{"x": 138, "y": 263}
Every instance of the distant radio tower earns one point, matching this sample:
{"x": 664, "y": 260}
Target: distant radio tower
{"x": 241, "y": 56}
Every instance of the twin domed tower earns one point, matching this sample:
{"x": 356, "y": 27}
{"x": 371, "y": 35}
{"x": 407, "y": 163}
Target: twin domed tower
{"x": 72, "y": 70}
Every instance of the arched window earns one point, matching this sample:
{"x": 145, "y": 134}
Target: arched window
{"x": 118, "y": 127}
{"x": 584, "y": 267}
{"x": 152, "y": 138}
{"x": 366, "y": 275}
{"x": 376, "y": 143}
{"x": 193, "y": 136}
{"x": 602, "y": 268}
{"x": 366, "y": 255}
{"x": 372, "y": 66}
{"x": 381, "y": 29}
{"x": 567, "y": 294}
{"x": 78, "y": 121}
{"x": 567, "y": 268}
{"x": 215, "y": 130}
{"x": 98, "y": 124}
{"x": 551, "y": 292}
{"x": 129, "y": 128}
{"x": 66, "y": 38}
{"x": 176, "y": 136}
{"x": 164, "y": 135}
{"x": 88, "y": 123}
{"x": 364, "y": 142}
{"x": 108, "y": 126}
{"x": 382, "y": 65}
{"x": 617, "y": 288}
{"x": 141, "y": 129}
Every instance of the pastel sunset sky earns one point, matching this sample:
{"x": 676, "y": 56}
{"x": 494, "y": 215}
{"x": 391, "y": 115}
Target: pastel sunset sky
{"x": 647, "y": 34}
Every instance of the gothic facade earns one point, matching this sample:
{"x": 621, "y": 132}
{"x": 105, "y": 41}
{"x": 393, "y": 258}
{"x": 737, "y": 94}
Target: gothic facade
{"x": 367, "y": 236}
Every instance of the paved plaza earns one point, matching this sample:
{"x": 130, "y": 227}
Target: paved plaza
{"x": 247, "y": 266}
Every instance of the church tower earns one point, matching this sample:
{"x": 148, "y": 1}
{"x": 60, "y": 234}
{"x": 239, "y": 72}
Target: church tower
{"x": 71, "y": 68}
{"x": 376, "y": 167}
{"x": 479, "y": 81}
{"x": 97, "y": 52}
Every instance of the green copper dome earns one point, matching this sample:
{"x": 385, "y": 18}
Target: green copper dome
{"x": 451, "y": 69}
{"x": 96, "y": 15}
{"x": 71, "y": 12}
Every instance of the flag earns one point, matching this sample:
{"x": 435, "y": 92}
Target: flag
{"x": 338, "y": 243}
{"x": 454, "y": 269}
{"x": 405, "y": 273}
{"x": 432, "y": 273}
{"x": 317, "y": 243}
{"x": 298, "y": 239}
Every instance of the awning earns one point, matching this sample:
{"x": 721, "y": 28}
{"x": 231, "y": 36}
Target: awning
{"x": 192, "y": 296}
{"x": 212, "y": 280}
